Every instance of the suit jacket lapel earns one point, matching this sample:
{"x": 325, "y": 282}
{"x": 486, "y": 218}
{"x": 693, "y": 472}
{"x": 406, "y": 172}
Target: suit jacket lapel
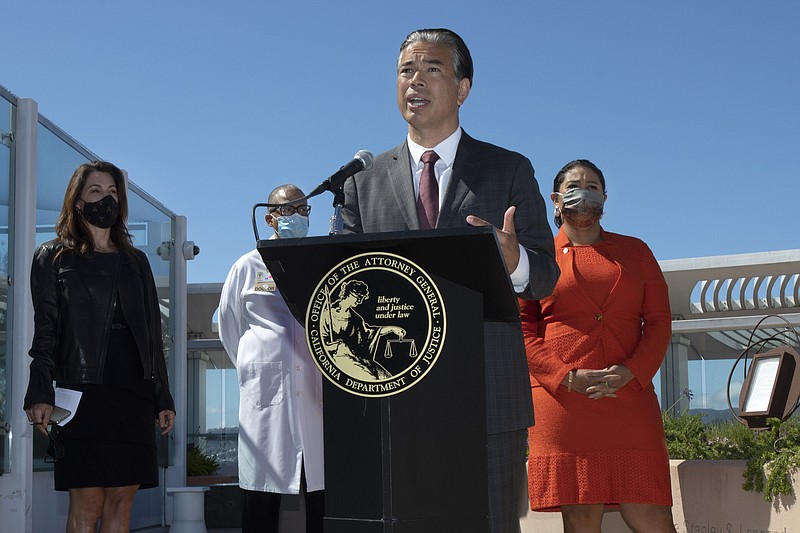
{"x": 401, "y": 182}
{"x": 459, "y": 185}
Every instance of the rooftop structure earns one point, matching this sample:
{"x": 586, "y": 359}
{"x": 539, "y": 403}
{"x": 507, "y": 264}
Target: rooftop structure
{"x": 720, "y": 305}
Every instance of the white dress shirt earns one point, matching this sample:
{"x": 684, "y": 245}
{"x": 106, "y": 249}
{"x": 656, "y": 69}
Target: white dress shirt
{"x": 446, "y": 150}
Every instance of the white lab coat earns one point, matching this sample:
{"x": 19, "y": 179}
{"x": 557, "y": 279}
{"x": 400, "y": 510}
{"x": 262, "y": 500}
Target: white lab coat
{"x": 280, "y": 387}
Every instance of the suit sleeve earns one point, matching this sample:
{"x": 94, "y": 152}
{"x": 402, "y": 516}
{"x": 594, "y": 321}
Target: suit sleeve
{"x": 533, "y": 232}
{"x": 646, "y": 359}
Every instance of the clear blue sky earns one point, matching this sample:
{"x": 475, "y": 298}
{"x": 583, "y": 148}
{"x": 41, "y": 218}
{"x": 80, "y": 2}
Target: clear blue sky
{"x": 691, "y": 108}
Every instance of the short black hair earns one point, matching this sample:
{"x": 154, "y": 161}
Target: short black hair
{"x": 282, "y": 191}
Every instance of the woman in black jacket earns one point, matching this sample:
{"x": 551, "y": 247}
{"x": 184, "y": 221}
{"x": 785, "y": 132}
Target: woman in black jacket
{"x": 98, "y": 331}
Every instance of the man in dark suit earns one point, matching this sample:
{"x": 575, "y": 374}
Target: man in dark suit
{"x": 476, "y": 184}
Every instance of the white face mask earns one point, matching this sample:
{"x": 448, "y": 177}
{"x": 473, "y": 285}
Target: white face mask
{"x": 292, "y": 227}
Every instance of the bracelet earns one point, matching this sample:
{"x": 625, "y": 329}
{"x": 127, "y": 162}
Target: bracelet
{"x": 570, "y": 377}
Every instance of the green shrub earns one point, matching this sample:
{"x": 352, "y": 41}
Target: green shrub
{"x": 687, "y": 436}
{"x": 777, "y": 455}
{"x": 771, "y": 455}
{"x": 731, "y": 440}
{"x": 198, "y": 463}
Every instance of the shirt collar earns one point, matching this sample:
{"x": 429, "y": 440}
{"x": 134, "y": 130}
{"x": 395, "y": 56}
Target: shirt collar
{"x": 446, "y": 150}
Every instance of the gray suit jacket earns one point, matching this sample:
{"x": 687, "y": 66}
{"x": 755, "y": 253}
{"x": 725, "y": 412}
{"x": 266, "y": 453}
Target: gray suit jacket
{"x": 486, "y": 180}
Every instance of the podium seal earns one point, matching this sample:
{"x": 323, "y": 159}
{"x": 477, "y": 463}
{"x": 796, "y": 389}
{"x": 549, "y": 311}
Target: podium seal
{"x": 375, "y": 324}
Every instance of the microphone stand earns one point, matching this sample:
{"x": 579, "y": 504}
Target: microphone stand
{"x": 337, "y": 223}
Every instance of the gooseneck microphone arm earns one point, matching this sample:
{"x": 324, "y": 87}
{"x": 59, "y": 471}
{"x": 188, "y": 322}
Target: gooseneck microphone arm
{"x": 361, "y": 161}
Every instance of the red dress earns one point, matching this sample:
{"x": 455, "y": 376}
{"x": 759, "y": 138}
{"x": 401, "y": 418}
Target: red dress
{"x": 610, "y": 306}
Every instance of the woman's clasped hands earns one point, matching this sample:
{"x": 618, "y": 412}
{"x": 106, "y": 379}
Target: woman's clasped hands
{"x": 602, "y": 383}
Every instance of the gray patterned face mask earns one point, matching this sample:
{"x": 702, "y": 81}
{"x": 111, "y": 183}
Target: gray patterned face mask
{"x": 582, "y": 207}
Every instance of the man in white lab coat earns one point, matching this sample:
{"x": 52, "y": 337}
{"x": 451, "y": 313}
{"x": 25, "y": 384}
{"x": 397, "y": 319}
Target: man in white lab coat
{"x": 280, "y": 405}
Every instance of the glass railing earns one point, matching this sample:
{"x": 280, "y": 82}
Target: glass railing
{"x": 6, "y": 128}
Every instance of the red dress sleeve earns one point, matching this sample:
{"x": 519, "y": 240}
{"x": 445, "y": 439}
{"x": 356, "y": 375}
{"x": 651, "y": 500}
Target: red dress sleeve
{"x": 544, "y": 366}
{"x": 646, "y": 359}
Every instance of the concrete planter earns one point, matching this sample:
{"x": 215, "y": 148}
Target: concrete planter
{"x": 707, "y": 498}
{"x": 223, "y": 505}
{"x": 195, "y": 481}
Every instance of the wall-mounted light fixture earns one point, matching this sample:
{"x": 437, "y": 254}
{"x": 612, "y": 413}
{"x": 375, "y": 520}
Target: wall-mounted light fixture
{"x": 771, "y": 388}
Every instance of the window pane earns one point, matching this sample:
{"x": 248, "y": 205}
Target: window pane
{"x": 55, "y": 162}
{"x": 152, "y": 230}
{"x": 214, "y": 407}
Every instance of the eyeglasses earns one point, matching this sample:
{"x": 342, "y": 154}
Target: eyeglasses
{"x": 289, "y": 210}
{"x": 55, "y": 450}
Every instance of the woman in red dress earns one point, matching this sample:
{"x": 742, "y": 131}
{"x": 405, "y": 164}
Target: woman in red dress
{"x": 593, "y": 348}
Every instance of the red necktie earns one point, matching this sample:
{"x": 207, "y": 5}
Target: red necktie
{"x": 428, "y": 201}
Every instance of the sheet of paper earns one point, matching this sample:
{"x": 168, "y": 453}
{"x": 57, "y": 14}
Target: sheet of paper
{"x": 69, "y": 400}
{"x": 765, "y": 372}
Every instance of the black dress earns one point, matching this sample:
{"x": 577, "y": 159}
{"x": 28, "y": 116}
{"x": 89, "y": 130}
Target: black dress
{"x": 110, "y": 442}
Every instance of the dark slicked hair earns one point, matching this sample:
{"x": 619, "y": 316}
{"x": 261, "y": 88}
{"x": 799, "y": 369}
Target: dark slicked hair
{"x": 71, "y": 228}
{"x": 578, "y": 163}
{"x": 462, "y": 60}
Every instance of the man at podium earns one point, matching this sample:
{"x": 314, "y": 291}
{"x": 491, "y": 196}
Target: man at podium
{"x": 440, "y": 177}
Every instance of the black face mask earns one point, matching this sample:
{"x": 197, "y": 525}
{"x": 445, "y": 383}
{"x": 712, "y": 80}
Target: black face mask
{"x": 102, "y": 213}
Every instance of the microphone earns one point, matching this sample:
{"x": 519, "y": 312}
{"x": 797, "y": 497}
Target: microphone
{"x": 361, "y": 161}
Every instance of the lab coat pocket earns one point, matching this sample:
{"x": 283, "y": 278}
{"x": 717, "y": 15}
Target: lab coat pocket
{"x": 263, "y": 384}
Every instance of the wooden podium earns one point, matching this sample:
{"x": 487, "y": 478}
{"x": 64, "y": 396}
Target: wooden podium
{"x": 414, "y": 461}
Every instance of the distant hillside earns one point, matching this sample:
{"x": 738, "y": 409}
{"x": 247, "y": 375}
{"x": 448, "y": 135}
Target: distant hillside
{"x": 713, "y": 416}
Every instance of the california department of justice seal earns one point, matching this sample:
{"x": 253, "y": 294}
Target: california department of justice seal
{"x": 376, "y": 324}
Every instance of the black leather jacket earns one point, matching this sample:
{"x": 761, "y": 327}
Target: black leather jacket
{"x": 73, "y": 308}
